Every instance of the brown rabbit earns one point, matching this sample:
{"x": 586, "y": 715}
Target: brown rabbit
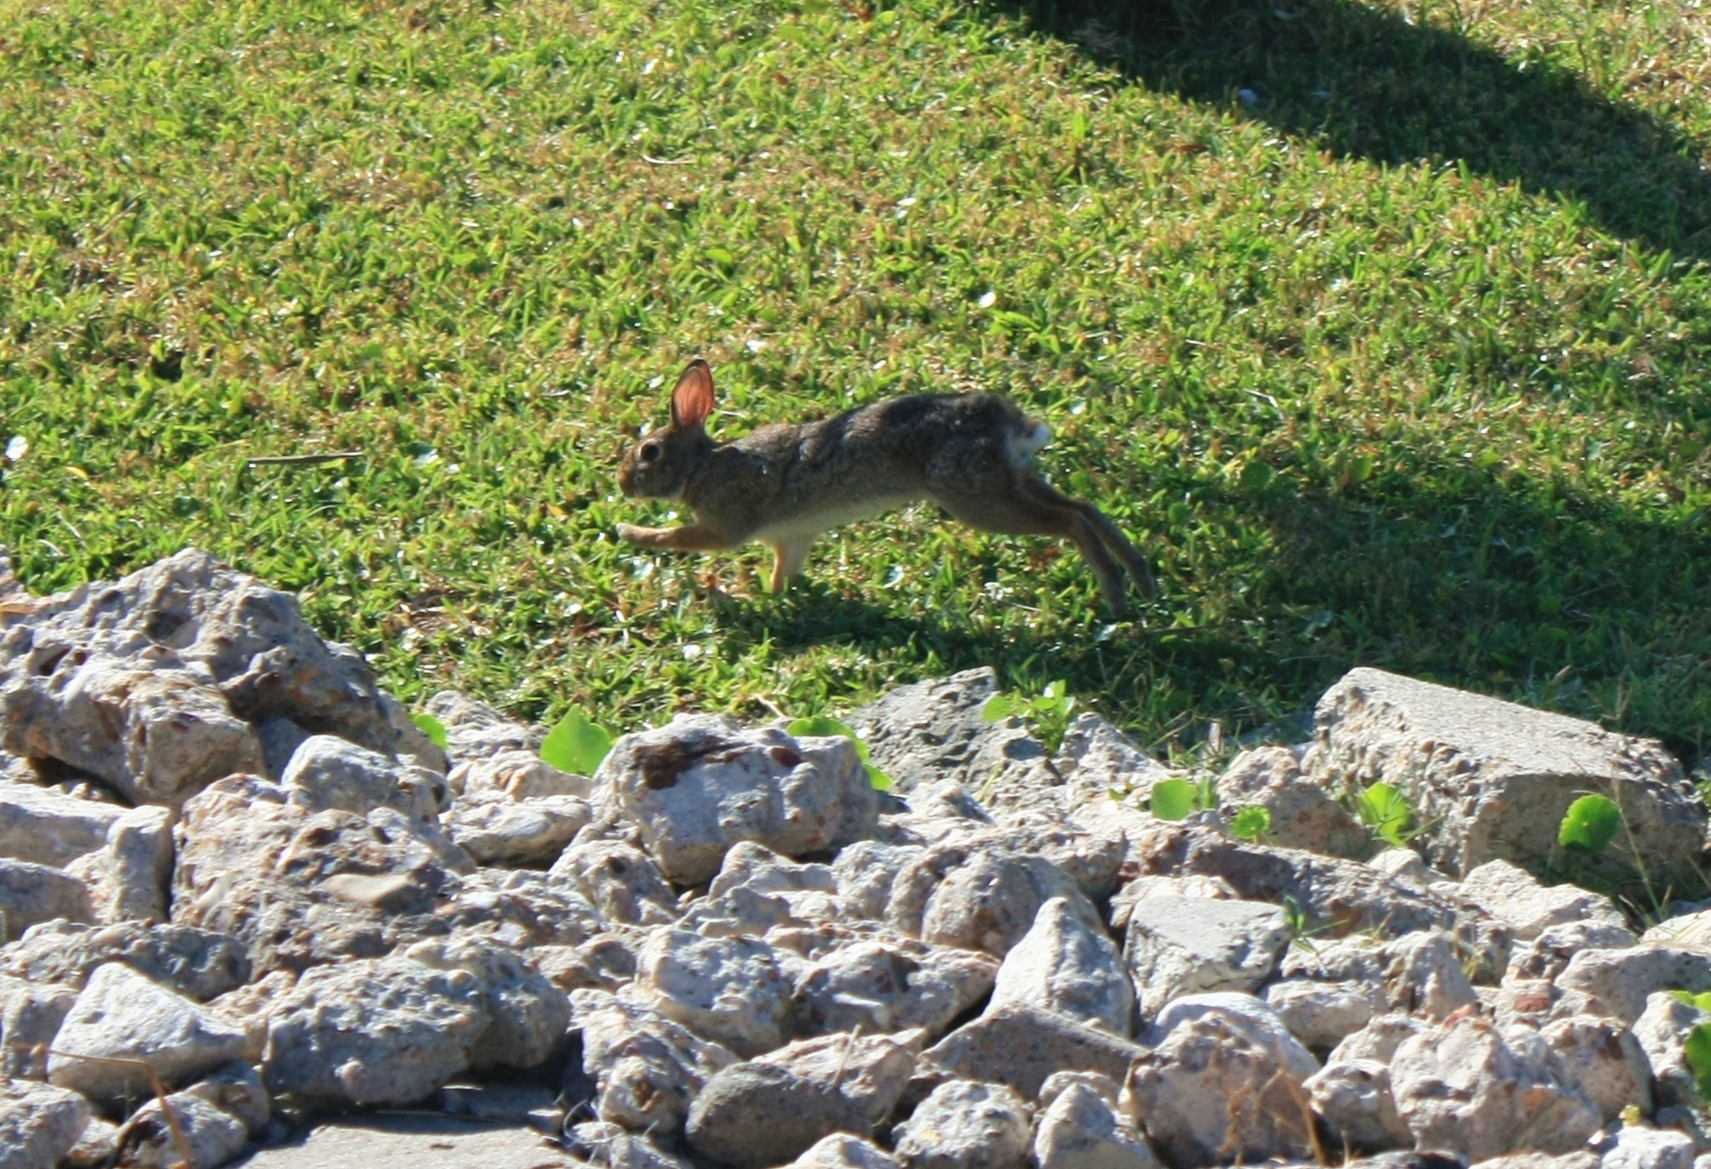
{"x": 972, "y": 454}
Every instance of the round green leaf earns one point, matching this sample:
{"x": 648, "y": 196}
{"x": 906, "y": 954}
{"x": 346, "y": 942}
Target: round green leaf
{"x": 1591, "y": 824}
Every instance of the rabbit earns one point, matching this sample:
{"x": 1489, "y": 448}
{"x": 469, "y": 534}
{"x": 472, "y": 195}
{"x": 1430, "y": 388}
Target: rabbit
{"x": 785, "y": 484}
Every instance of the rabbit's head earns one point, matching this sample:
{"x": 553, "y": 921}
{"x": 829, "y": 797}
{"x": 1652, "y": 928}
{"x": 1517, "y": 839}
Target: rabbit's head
{"x": 659, "y": 466}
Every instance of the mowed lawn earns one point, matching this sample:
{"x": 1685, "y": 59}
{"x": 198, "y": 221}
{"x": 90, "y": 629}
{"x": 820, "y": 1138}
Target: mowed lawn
{"x": 1384, "y": 327}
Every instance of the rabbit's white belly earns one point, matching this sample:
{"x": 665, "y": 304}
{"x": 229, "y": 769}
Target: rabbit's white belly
{"x": 831, "y": 514}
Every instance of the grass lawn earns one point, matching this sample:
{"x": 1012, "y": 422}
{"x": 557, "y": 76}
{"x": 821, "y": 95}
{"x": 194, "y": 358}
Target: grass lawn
{"x": 1383, "y": 326}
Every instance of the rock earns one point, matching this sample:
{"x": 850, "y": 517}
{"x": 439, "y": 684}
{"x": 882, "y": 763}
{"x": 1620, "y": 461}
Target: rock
{"x": 1303, "y": 814}
{"x": 843, "y": 1151}
{"x": 249, "y": 1007}
{"x": 300, "y": 888}
{"x": 392, "y": 1030}
{"x": 1097, "y": 757}
{"x": 31, "y": 1014}
{"x": 1548, "y": 955}
{"x": 979, "y": 899}
{"x": 1617, "y": 982}
{"x": 1660, "y": 1031}
{"x": 31, "y": 894}
{"x": 39, "y": 1123}
{"x": 1607, "y": 1060}
{"x": 329, "y": 772}
{"x": 1138, "y": 890}
{"x": 646, "y": 1068}
{"x": 757, "y": 890}
{"x": 213, "y": 1137}
{"x": 517, "y": 775}
{"x": 1529, "y": 908}
{"x": 500, "y": 830}
{"x": 1492, "y": 780}
{"x": 1187, "y": 945}
{"x": 1064, "y": 966}
{"x": 1021, "y": 1046}
{"x": 1354, "y": 1099}
{"x": 1582, "y": 1159}
{"x": 1404, "y": 864}
{"x": 702, "y": 783}
{"x": 196, "y": 963}
{"x": 521, "y": 909}
{"x": 1092, "y": 859}
{"x": 47, "y": 827}
{"x": 965, "y": 1125}
{"x": 1640, "y": 1147}
{"x": 1466, "y": 1087}
{"x": 1222, "y": 1081}
{"x": 97, "y": 1148}
{"x": 888, "y": 982}
{"x": 476, "y": 731}
{"x": 1423, "y": 977}
{"x": 415, "y": 1140}
{"x": 768, "y": 1110}
{"x": 933, "y": 731}
{"x": 613, "y": 1147}
{"x": 122, "y": 1015}
{"x": 1378, "y": 1040}
{"x": 280, "y": 738}
{"x": 729, "y": 990}
{"x": 1079, "y": 1129}
{"x": 865, "y": 873}
{"x": 138, "y": 867}
{"x": 1322, "y": 1014}
{"x": 618, "y": 879}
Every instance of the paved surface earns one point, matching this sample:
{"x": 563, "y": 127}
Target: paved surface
{"x": 410, "y": 1141}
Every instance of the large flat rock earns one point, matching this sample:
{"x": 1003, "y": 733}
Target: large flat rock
{"x": 411, "y": 1142}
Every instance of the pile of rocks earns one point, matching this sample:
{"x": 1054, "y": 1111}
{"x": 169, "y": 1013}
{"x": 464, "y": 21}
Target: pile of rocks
{"x": 242, "y": 891}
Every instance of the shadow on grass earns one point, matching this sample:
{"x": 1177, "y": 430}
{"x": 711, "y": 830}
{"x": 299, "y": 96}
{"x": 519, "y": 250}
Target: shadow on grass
{"x": 1364, "y": 83}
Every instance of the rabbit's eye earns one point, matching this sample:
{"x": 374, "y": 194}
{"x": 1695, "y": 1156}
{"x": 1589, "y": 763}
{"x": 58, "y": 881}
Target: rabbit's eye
{"x": 649, "y": 452}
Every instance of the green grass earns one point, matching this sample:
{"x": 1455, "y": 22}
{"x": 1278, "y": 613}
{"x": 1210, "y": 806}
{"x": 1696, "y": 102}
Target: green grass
{"x": 1401, "y": 362}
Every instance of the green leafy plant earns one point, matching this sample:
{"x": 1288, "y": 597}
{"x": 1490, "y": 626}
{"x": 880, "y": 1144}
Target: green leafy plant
{"x": 1386, "y": 813}
{"x": 431, "y": 727}
{"x": 576, "y": 744}
{"x": 1175, "y": 799}
{"x": 1590, "y": 824}
{"x": 825, "y": 725}
{"x": 1251, "y": 823}
{"x": 1696, "y": 1048}
{"x": 1047, "y": 712}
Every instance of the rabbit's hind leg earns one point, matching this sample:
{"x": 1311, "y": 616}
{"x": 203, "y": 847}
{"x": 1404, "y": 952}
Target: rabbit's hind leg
{"x": 789, "y": 555}
{"x": 1017, "y": 511}
{"x": 688, "y": 538}
{"x": 1109, "y": 533}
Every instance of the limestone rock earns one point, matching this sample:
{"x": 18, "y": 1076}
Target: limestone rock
{"x": 213, "y": 1136}
{"x": 768, "y": 1110}
{"x": 329, "y": 772}
{"x": 31, "y": 894}
{"x": 518, "y": 775}
{"x": 702, "y": 783}
{"x": 1548, "y": 954}
{"x": 1660, "y": 1031}
{"x": 1379, "y": 1039}
{"x": 729, "y": 990}
{"x": 196, "y": 963}
{"x": 1642, "y": 1147}
{"x": 1303, "y": 814}
{"x": 122, "y": 1015}
{"x": 1354, "y": 1098}
{"x": 1607, "y": 1060}
{"x": 1492, "y": 780}
{"x": 498, "y": 829}
{"x": 618, "y": 879}
{"x": 646, "y": 1068}
{"x": 611, "y": 1146}
{"x": 1064, "y": 966}
{"x": 965, "y": 1125}
{"x": 48, "y": 827}
{"x": 1022, "y": 1046}
{"x": 1187, "y": 945}
{"x": 843, "y": 1151}
{"x": 1529, "y": 908}
{"x": 1080, "y": 1129}
{"x": 1322, "y": 1014}
{"x": 1617, "y": 983}
{"x": 933, "y": 731}
{"x": 885, "y": 982}
{"x": 135, "y": 873}
{"x": 39, "y": 1123}
{"x": 31, "y": 1014}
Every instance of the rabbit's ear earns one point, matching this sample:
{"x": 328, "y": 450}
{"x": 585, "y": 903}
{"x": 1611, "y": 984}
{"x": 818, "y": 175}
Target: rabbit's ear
{"x": 692, "y": 400}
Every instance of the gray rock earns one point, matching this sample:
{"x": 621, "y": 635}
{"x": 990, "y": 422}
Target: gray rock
{"x": 249, "y": 1008}
{"x": 1468, "y": 1088}
{"x": 1641, "y": 1147}
{"x": 1303, "y": 814}
{"x": 236, "y": 1090}
{"x": 618, "y": 879}
{"x": 1492, "y": 780}
{"x": 1379, "y": 1039}
{"x": 1510, "y": 893}
{"x": 301, "y": 888}
{"x": 1097, "y": 757}
{"x": 768, "y": 1110}
{"x": 31, "y": 894}
{"x": 96, "y": 1148}
{"x": 48, "y": 827}
{"x": 611, "y": 1146}
{"x": 213, "y": 1137}
{"x": 979, "y": 899}
{"x": 30, "y": 1016}
{"x": 517, "y": 775}
{"x": 965, "y": 1125}
{"x": 1222, "y": 1081}
{"x": 843, "y": 1151}
{"x": 865, "y": 873}
{"x": 646, "y": 1068}
{"x": 498, "y": 829}
{"x": 1186, "y": 945}
{"x": 121, "y": 1015}
{"x": 1023, "y": 1045}
{"x": 1354, "y": 1099}
{"x": 1079, "y": 1129}
{"x": 933, "y": 731}
{"x": 39, "y": 1123}
{"x": 729, "y": 990}
{"x": 1548, "y": 955}
{"x": 1404, "y": 864}
{"x": 476, "y": 731}
{"x": 1660, "y": 1031}
{"x": 1422, "y": 976}
{"x": 1617, "y": 983}
{"x": 329, "y": 772}
{"x": 888, "y": 982}
{"x": 1141, "y": 888}
{"x": 703, "y": 783}
{"x": 194, "y": 962}
{"x": 521, "y": 909}
{"x": 1063, "y": 965}
{"x": 1322, "y": 1014}
{"x": 280, "y": 738}
{"x": 1607, "y": 1061}
{"x": 528, "y": 1015}
{"x": 138, "y": 866}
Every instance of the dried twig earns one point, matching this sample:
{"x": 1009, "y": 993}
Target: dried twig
{"x": 301, "y": 460}
{"x": 160, "y": 1094}
{"x": 668, "y": 161}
